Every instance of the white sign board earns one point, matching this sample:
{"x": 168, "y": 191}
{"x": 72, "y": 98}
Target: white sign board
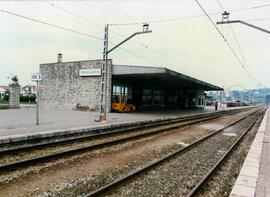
{"x": 89, "y": 72}
{"x": 36, "y": 77}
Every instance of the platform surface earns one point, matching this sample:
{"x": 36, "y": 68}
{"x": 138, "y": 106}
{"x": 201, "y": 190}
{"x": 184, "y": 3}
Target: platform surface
{"x": 263, "y": 184}
{"x": 254, "y": 177}
{"x": 23, "y": 120}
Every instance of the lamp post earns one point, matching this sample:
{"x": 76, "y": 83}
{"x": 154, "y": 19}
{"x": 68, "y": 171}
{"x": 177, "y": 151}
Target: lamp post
{"x": 106, "y": 51}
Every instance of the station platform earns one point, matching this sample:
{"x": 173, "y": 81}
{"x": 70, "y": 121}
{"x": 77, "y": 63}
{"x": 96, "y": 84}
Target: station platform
{"x": 20, "y": 124}
{"x": 254, "y": 177}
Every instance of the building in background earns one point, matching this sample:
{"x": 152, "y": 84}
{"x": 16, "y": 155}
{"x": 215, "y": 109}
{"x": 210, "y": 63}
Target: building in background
{"x": 3, "y": 90}
{"x": 28, "y": 90}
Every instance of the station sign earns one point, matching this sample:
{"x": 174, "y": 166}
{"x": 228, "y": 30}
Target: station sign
{"x": 36, "y": 77}
{"x": 89, "y": 72}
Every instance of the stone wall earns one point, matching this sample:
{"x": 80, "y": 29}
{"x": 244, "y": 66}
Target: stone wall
{"x": 14, "y": 96}
{"x": 63, "y": 88}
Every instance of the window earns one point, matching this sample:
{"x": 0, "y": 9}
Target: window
{"x": 115, "y": 99}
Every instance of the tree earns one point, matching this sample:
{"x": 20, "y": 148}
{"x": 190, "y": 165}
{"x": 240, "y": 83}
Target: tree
{"x": 14, "y": 79}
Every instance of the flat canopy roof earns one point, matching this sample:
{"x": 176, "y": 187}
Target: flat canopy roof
{"x": 159, "y": 77}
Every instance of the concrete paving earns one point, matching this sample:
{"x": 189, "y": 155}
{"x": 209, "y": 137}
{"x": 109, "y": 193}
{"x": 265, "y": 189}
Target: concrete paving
{"x": 263, "y": 184}
{"x": 23, "y": 120}
{"x": 254, "y": 177}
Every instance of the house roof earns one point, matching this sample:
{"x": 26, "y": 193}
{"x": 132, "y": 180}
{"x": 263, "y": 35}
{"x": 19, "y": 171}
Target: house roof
{"x": 4, "y": 88}
{"x": 34, "y": 87}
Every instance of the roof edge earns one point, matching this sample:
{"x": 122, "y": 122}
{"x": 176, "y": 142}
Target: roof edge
{"x": 194, "y": 79}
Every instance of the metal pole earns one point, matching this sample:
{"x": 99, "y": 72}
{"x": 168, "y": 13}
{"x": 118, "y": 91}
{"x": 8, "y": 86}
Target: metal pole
{"x": 106, "y": 51}
{"x": 244, "y": 23}
{"x": 103, "y": 97}
{"x": 220, "y": 99}
{"x": 131, "y": 36}
{"x": 37, "y": 101}
{"x": 106, "y": 71}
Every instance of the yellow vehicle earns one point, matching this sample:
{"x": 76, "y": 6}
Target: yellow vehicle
{"x": 120, "y": 104}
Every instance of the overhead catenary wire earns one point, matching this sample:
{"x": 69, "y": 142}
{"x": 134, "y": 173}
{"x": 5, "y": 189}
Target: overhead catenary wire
{"x": 169, "y": 57}
{"x": 156, "y": 21}
{"x": 74, "y": 14}
{"x": 134, "y": 54}
{"x": 227, "y": 43}
{"x": 64, "y": 28}
{"x": 82, "y": 18}
{"x": 69, "y": 19}
{"x": 220, "y": 5}
{"x": 154, "y": 51}
{"x": 51, "y": 25}
{"x": 201, "y": 15}
{"x": 88, "y": 21}
{"x": 237, "y": 42}
{"x": 216, "y": 13}
{"x": 73, "y": 31}
{"x": 234, "y": 34}
{"x": 251, "y": 8}
{"x": 148, "y": 48}
{"x": 258, "y": 19}
{"x": 189, "y": 17}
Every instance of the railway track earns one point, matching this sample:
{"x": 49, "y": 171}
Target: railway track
{"x": 197, "y": 148}
{"x": 129, "y": 135}
{"x": 214, "y": 169}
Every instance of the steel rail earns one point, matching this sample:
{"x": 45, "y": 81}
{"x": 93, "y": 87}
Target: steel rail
{"x": 36, "y": 146}
{"x": 196, "y": 189}
{"x": 54, "y": 156}
{"x": 137, "y": 172}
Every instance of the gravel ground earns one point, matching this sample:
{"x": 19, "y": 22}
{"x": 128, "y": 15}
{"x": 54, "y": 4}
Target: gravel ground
{"x": 85, "y": 172}
{"x": 84, "y": 185}
{"x": 81, "y": 186}
{"x": 179, "y": 175}
{"x": 221, "y": 183}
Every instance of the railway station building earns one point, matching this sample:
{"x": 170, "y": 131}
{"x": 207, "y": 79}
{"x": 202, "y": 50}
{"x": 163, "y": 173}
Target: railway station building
{"x": 67, "y": 85}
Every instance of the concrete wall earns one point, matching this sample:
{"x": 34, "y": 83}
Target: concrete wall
{"x": 63, "y": 88}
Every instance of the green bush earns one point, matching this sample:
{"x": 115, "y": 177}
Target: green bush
{"x": 27, "y": 98}
{"x": 23, "y": 98}
{"x": 6, "y": 97}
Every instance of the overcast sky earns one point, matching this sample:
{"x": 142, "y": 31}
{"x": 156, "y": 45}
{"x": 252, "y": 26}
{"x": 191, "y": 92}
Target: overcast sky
{"x": 190, "y": 45}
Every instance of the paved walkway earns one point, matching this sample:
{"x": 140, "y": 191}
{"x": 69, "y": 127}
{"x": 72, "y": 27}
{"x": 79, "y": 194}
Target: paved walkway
{"x": 23, "y": 120}
{"x": 254, "y": 177}
{"x": 263, "y": 184}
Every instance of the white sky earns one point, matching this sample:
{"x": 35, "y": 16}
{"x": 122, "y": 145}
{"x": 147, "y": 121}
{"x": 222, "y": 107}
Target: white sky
{"x": 191, "y": 46}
